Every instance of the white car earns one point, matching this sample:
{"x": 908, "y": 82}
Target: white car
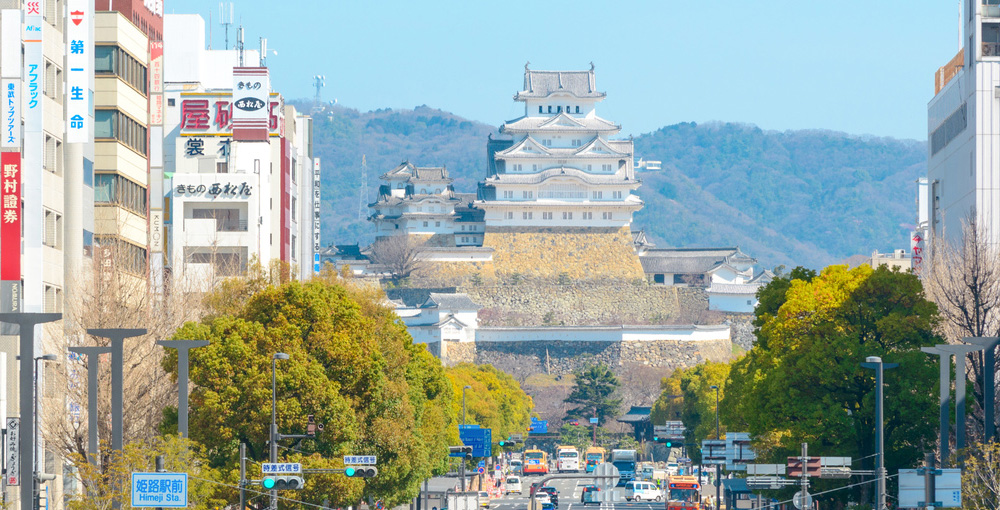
{"x": 642, "y": 491}
{"x": 512, "y": 485}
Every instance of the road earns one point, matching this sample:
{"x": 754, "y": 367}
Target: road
{"x": 569, "y": 498}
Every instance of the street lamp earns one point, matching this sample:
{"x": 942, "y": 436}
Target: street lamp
{"x": 34, "y": 436}
{"x": 461, "y": 467}
{"x": 876, "y": 363}
{"x": 718, "y": 468}
{"x": 274, "y": 420}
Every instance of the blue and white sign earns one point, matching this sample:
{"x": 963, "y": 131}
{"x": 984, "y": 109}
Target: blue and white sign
{"x": 360, "y": 460}
{"x": 480, "y": 439}
{"x": 593, "y": 420}
{"x": 166, "y": 490}
{"x": 280, "y": 468}
{"x": 538, "y": 426}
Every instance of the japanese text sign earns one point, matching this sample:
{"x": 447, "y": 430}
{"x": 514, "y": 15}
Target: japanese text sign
{"x": 79, "y": 55}
{"x": 10, "y": 216}
{"x": 166, "y": 490}
{"x": 271, "y": 468}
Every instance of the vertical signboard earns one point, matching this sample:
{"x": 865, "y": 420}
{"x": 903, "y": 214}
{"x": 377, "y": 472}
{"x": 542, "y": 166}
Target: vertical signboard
{"x": 316, "y": 212}
{"x": 10, "y": 231}
{"x": 13, "y": 453}
{"x": 32, "y": 159}
{"x": 11, "y": 94}
{"x": 251, "y": 113}
{"x": 79, "y": 55}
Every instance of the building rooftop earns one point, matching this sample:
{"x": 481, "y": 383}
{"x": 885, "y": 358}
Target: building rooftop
{"x": 456, "y": 301}
{"x": 538, "y": 84}
{"x": 561, "y": 122}
{"x": 406, "y": 171}
{"x": 684, "y": 260}
{"x": 544, "y": 175}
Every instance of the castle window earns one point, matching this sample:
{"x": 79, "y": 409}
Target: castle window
{"x": 526, "y": 215}
{"x": 598, "y": 194}
{"x": 463, "y": 228}
{"x": 528, "y": 194}
{"x": 617, "y": 194}
{"x": 397, "y": 226}
{"x": 606, "y": 216}
{"x": 546, "y": 216}
{"x": 425, "y": 223}
{"x": 567, "y": 215}
{"x": 540, "y": 109}
{"x": 437, "y": 223}
{"x": 510, "y": 215}
{"x": 559, "y": 109}
{"x": 589, "y": 168}
{"x": 577, "y": 109}
{"x": 534, "y": 168}
{"x": 550, "y": 108}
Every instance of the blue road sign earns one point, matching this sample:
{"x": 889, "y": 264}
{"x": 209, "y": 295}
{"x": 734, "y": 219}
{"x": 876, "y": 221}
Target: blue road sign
{"x": 480, "y": 439}
{"x": 166, "y": 490}
{"x": 593, "y": 420}
{"x": 482, "y": 464}
{"x": 539, "y": 426}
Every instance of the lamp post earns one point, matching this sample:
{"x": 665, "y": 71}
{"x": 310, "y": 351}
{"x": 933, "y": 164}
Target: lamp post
{"x": 36, "y": 490}
{"x": 274, "y": 420}
{"x": 461, "y": 466}
{"x": 718, "y": 468}
{"x": 876, "y": 363}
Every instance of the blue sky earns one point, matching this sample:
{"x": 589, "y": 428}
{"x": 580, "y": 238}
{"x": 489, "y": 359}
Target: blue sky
{"x": 863, "y": 67}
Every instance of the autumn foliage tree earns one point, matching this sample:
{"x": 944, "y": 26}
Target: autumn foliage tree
{"x": 687, "y": 395}
{"x": 352, "y": 365}
{"x": 802, "y": 382}
{"x": 495, "y": 400}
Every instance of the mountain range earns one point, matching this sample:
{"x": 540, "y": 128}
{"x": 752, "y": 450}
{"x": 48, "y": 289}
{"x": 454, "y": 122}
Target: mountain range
{"x": 805, "y": 197}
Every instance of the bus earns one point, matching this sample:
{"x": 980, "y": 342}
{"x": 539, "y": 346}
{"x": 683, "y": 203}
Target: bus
{"x": 625, "y": 461}
{"x": 594, "y": 456}
{"x": 683, "y": 493}
{"x": 567, "y": 459}
{"x": 536, "y": 462}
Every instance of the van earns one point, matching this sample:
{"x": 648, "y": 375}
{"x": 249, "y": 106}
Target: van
{"x": 642, "y": 491}
{"x": 512, "y": 485}
{"x": 515, "y": 467}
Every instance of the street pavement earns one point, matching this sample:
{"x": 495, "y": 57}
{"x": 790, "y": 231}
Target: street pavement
{"x": 569, "y": 498}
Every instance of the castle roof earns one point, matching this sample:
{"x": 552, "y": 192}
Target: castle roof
{"x": 684, "y": 260}
{"x": 595, "y": 148}
{"x": 561, "y": 122}
{"x": 545, "y": 175}
{"x": 538, "y": 84}
{"x": 456, "y": 301}
{"x": 406, "y": 171}
{"x": 738, "y": 289}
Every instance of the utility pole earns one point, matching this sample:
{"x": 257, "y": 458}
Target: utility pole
{"x": 805, "y": 473}
{"x": 929, "y": 492}
{"x": 989, "y": 345}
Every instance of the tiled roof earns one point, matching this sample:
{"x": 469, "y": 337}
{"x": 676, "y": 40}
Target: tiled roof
{"x": 617, "y": 149}
{"x": 572, "y": 124}
{"x": 542, "y": 83}
{"x": 636, "y": 414}
{"x": 407, "y": 171}
{"x": 683, "y": 260}
{"x": 457, "y": 301}
{"x": 557, "y": 172}
{"x": 748, "y": 289}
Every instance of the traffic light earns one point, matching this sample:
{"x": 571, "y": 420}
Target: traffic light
{"x": 508, "y": 442}
{"x": 361, "y": 471}
{"x": 283, "y": 483}
{"x": 669, "y": 443}
{"x": 460, "y": 451}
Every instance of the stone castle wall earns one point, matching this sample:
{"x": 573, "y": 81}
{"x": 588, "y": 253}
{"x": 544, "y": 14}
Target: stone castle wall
{"x": 522, "y": 359}
{"x": 579, "y": 253}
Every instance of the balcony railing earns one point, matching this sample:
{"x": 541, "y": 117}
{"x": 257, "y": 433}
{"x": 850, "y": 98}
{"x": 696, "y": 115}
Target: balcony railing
{"x": 991, "y": 49}
{"x": 231, "y": 226}
{"x": 991, "y": 10}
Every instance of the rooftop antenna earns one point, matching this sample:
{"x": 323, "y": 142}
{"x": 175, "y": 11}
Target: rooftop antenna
{"x": 263, "y": 52}
{"x": 239, "y": 43}
{"x": 210, "y": 29}
{"x": 364, "y": 188}
{"x": 318, "y": 81}
{"x": 226, "y": 20}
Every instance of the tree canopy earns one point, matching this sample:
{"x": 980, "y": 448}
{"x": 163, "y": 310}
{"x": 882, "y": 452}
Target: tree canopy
{"x": 351, "y": 364}
{"x": 687, "y": 395}
{"x": 594, "y": 389}
{"x": 802, "y": 382}
{"x": 495, "y": 400}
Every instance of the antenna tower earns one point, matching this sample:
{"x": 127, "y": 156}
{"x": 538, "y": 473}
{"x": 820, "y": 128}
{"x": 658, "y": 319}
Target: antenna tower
{"x": 239, "y": 43}
{"x": 319, "y": 82}
{"x": 362, "y": 206}
{"x": 225, "y": 20}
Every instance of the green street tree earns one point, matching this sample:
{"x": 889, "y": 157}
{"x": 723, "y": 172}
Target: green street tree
{"x": 352, "y": 365}
{"x": 803, "y": 381}
{"x": 495, "y": 400}
{"x": 594, "y": 389}
{"x": 688, "y": 396}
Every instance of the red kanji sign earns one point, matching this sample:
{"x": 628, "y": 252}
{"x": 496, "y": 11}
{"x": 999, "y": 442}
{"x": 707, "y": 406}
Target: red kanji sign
{"x": 194, "y": 114}
{"x": 10, "y": 216}
{"x": 813, "y": 467}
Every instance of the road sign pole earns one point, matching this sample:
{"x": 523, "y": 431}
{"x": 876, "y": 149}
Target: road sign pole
{"x": 243, "y": 475}
{"x": 805, "y": 473}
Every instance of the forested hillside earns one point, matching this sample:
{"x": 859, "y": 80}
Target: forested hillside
{"x": 793, "y": 197}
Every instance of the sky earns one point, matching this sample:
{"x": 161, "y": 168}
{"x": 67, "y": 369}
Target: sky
{"x": 858, "y": 66}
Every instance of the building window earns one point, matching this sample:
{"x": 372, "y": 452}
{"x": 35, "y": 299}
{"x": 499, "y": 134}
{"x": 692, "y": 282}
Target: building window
{"x": 617, "y": 195}
{"x": 52, "y": 299}
{"x": 567, "y": 215}
{"x": 508, "y": 194}
{"x": 226, "y": 220}
{"x": 749, "y": 302}
{"x": 437, "y": 223}
{"x": 528, "y": 194}
{"x": 463, "y": 228}
{"x": 425, "y": 223}
{"x": 113, "y": 124}
{"x": 546, "y": 215}
{"x": 116, "y": 189}
{"x": 606, "y": 216}
{"x": 577, "y": 109}
{"x": 127, "y": 257}
{"x": 588, "y": 215}
{"x": 53, "y": 155}
{"x": 606, "y": 168}
{"x": 170, "y": 101}
{"x": 52, "y": 227}
{"x": 526, "y": 215}
{"x": 226, "y": 264}
{"x": 540, "y": 109}
{"x": 597, "y": 195}
{"x": 110, "y": 59}
{"x": 550, "y": 108}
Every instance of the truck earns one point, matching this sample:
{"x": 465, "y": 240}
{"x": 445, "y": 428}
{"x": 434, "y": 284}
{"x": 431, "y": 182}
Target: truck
{"x": 624, "y": 461}
{"x": 567, "y": 459}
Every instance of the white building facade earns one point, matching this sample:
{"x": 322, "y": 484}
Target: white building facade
{"x": 236, "y": 163}
{"x": 962, "y": 127}
{"x": 557, "y": 165}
